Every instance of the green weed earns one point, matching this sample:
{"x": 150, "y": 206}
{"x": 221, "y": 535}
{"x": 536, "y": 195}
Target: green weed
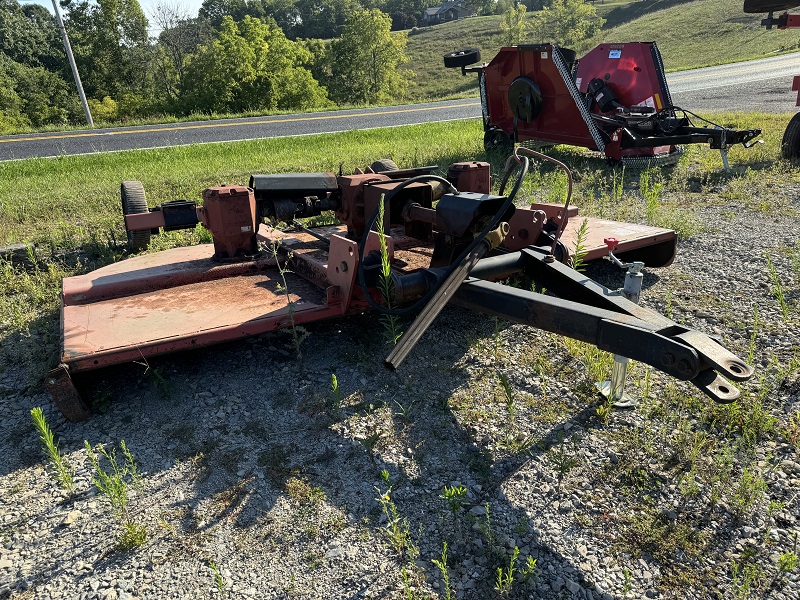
{"x": 301, "y": 492}
{"x": 504, "y": 577}
{"x": 748, "y": 491}
{"x": 112, "y": 484}
{"x": 626, "y": 583}
{"x": 391, "y": 323}
{"x": 132, "y": 536}
{"x": 299, "y": 333}
{"x": 397, "y": 529}
{"x": 562, "y": 457}
{"x": 336, "y": 394}
{"x": 604, "y": 410}
{"x": 597, "y": 362}
{"x": 618, "y": 184}
{"x": 62, "y": 471}
{"x": 219, "y": 582}
{"x": 508, "y": 397}
{"x": 650, "y": 191}
{"x": 455, "y": 496}
{"x": 751, "y": 350}
{"x": 441, "y": 564}
{"x": 485, "y": 527}
{"x": 788, "y": 562}
{"x": 744, "y": 579}
{"x": 579, "y": 253}
{"x": 777, "y": 290}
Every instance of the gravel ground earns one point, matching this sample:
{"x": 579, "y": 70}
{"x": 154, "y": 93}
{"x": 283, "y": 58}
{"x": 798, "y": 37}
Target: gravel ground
{"x": 258, "y": 481}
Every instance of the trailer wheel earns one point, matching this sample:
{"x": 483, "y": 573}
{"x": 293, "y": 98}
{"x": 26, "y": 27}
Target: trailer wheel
{"x": 462, "y": 58}
{"x": 496, "y": 140}
{"x": 790, "y": 147}
{"x": 134, "y": 202}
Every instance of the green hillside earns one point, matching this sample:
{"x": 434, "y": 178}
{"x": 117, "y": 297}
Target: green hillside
{"x": 689, "y": 34}
{"x": 703, "y": 33}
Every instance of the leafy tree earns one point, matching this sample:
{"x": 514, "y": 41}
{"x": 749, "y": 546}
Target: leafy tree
{"x": 180, "y": 37}
{"x": 322, "y": 18}
{"x": 318, "y": 61}
{"x": 405, "y": 13}
{"x": 365, "y": 60}
{"x": 285, "y": 13}
{"x": 29, "y": 36}
{"x": 34, "y": 96}
{"x": 513, "y": 25}
{"x": 110, "y": 43}
{"x": 250, "y": 65}
{"x": 567, "y": 22}
{"x": 215, "y": 10}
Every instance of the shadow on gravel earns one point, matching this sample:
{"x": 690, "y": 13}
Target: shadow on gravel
{"x": 225, "y": 434}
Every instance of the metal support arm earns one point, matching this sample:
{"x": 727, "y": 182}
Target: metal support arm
{"x": 587, "y": 311}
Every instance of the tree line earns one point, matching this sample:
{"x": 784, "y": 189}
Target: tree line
{"x": 234, "y": 56}
{"x": 212, "y": 62}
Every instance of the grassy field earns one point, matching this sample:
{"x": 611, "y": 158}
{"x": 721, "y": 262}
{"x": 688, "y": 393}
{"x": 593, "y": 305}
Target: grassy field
{"x": 689, "y": 34}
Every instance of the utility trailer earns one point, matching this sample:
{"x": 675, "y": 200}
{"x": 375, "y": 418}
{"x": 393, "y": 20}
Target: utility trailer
{"x": 446, "y": 238}
{"x": 614, "y": 100}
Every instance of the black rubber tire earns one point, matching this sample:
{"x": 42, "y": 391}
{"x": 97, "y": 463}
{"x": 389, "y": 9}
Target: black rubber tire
{"x": 462, "y": 58}
{"x": 497, "y": 140}
{"x": 134, "y": 202}
{"x": 790, "y": 147}
{"x": 383, "y": 165}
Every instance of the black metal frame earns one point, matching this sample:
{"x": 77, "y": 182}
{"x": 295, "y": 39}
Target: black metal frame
{"x": 587, "y": 311}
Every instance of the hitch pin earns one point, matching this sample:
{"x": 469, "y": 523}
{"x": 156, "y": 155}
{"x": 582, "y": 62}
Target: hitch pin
{"x": 614, "y": 389}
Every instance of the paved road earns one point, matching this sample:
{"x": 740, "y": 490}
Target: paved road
{"x": 226, "y": 130}
{"x": 763, "y": 85}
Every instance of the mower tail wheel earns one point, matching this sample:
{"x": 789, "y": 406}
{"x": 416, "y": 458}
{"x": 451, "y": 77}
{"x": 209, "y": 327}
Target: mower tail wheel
{"x": 497, "y": 140}
{"x": 790, "y": 147}
{"x": 383, "y": 165}
{"x": 462, "y": 58}
{"x": 134, "y": 202}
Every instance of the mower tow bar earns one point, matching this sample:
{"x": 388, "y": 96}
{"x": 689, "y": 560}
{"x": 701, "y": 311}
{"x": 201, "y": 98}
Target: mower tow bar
{"x": 587, "y": 311}
{"x": 432, "y": 309}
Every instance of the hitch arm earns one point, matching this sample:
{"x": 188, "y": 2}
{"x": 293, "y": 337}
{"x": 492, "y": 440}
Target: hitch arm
{"x": 568, "y": 283}
{"x": 587, "y": 311}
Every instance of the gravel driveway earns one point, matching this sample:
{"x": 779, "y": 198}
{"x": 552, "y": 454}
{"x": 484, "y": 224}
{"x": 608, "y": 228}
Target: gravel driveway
{"x": 258, "y": 480}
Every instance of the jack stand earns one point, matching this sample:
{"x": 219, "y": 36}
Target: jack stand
{"x": 614, "y": 390}
{"x": 723, "y": 150}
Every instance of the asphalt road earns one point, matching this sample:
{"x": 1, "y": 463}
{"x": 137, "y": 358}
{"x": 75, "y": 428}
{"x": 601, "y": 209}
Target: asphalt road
{"x": 762, "y": 85}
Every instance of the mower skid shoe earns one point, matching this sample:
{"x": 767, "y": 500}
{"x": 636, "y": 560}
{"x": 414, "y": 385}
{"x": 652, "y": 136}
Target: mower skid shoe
{"x": 64, "y": 393}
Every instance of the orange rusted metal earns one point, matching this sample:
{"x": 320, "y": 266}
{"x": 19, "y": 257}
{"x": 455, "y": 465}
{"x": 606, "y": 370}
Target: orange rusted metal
{"x": 230, "y": 213}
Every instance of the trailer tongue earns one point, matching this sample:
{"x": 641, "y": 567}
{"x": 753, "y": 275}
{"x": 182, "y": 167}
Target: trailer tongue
{"x": 447, "y": 239}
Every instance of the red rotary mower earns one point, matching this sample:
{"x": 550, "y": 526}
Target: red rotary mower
{"x": 614, "y": 100}
{"x": 447, "y": 239}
